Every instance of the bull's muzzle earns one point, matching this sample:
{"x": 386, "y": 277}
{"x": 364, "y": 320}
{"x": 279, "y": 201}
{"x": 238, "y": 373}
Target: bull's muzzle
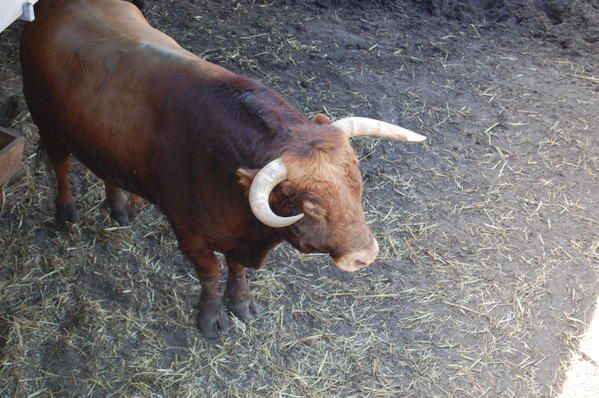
{"x": 359, "y": 259}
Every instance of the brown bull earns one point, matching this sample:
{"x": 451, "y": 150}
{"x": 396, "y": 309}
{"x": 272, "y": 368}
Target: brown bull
{"x": 221, "y": 155}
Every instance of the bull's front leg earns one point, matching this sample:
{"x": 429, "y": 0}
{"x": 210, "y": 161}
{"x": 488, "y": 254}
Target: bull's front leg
{"x": 237, "y": 294}
{"x": 212, "y": 319}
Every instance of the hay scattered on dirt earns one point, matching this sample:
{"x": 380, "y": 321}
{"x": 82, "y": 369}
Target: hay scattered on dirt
{"x": 489, "y": 251}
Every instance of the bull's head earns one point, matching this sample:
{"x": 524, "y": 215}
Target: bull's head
{"x": 317, "y": 184}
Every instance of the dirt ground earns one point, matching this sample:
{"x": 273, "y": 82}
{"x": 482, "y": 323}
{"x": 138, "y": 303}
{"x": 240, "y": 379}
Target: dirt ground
{"x": 489, "y": 257}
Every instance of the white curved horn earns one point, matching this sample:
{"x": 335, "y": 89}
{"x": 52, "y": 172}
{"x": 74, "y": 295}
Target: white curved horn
{"x": 356, "y": 126}
{"x": 267, "y": 178}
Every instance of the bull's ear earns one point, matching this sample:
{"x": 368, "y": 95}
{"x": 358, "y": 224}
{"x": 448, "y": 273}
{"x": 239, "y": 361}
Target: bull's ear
{"x": 314, "y": 209}
{"x": 287, "y": 188}
{"x": 321, "y": 118}
{"x": 246, "y": 176}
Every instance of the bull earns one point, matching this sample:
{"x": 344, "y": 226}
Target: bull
{"x": 233, "y": 166}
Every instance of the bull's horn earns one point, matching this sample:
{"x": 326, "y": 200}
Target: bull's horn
{"x": 356, "y": 126}
{"x": 264, "y": 182}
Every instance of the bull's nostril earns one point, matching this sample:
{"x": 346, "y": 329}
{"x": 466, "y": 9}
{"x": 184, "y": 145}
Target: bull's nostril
{"x": 358, "y": 260}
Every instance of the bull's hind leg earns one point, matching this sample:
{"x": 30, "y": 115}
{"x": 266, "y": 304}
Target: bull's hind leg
{"x": 121, "y": 210}
{"x": 135, "y": 204}
{"x": 117, "y": 201}
{"x": 60, "y": 158}
{"x": 66, "y": 211}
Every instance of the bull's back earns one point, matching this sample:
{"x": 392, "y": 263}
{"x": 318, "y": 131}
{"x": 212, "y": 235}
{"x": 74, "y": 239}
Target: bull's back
{"x": 88, "y": 47}
{"x": 90, "y": 72}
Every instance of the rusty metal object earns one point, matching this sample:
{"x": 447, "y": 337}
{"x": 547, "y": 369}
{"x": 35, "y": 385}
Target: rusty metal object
{"x": 11, "y": 154}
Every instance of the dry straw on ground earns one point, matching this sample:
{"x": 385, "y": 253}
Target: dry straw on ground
{"x": 489, "y": 248}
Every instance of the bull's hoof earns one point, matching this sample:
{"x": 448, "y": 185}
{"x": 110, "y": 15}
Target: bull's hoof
{"x": 66, "y": 212}
{"x": 133, "y": 209}
{"x": 246, "y": 309}
{"x": 212, "y": 319}
{"x": 121, "y": 216}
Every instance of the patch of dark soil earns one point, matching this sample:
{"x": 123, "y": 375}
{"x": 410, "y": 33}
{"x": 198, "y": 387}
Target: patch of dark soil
{"x": 4, "y": 330}
{"x": 65, "y": 368}
{"x": 10, "y": 107}
{"x": 469, "y": 10}
{"x": 570, "y": 23}
{"x": 176, "y": 345}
